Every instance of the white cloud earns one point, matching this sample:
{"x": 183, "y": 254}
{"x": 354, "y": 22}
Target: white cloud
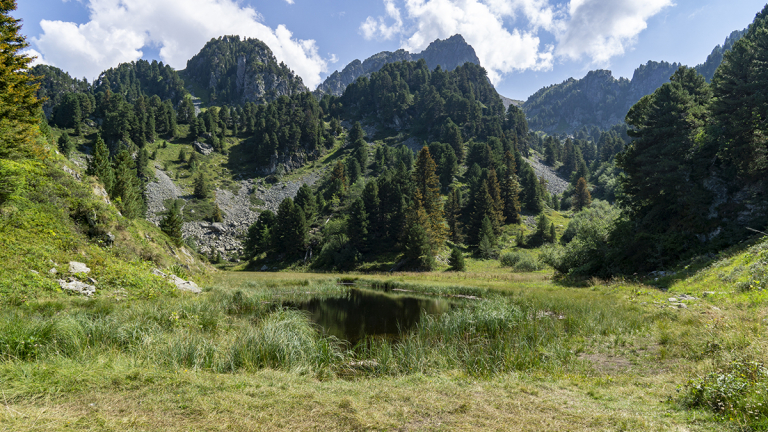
{"x": 289, "y": 1}
{"x": 506, "y": 34}
{"x": 602, "y": 29}
{"x": 377, "y": 28}
{"x": 119, "y": 29}
{"x": 36, "y": 61}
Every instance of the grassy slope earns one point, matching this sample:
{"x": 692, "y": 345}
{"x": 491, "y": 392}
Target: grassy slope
{"x": 619, "y": 359}
{"x": 48, "y": 218}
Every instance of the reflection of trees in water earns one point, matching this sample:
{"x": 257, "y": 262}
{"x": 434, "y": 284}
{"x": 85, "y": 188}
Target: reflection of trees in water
{"x": 360, "y": 313}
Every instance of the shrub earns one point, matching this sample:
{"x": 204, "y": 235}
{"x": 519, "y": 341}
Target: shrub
{"x": 520, "y": 261}
{"x": 456, "y": 261}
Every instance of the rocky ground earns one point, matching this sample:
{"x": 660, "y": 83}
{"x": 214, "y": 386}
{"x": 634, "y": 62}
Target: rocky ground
{"x": 238, "y": 210}
{"x": 555, "y": 184}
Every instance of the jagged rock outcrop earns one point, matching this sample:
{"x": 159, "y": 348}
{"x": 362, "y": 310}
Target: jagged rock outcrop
{"x": 239, "y": 70}
{"x": 448, "y": 54}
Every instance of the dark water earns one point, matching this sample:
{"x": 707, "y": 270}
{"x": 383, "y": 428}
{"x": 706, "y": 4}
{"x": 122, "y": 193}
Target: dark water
{"x": 362, "y": 313}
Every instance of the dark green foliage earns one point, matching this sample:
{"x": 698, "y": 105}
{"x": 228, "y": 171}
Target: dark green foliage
{"x": 353, "y": 170}
{"x": 417, "y": 247}
{"x": 100, "y": 166}
{"x": 447, "y": 162}
{"x": 171, "y": 224}
{"x": 141, "y": 77}
{"x": 290, "y": 234}
{"x": 201, "y": 190}
{"x": 182, "y": 155}
{"x": 456, "y": 260}
{"x": 127, "y": 190}
{"x": 486, "y": 231}
{"x": 217, "y": 217}
{"x": 219, "y": 58}
{"x": 54, "y": 85}
{"x": 453, "y": 216}
{"x": 543, "y": 228}
{"x": 65, "y": 144}
{"x": 357, "y": 226}
{"x": 259, "y": 237}
{"x": 305, "y": 199}
{"x": 708, "y": 68}
{"x": 581, "y": 197}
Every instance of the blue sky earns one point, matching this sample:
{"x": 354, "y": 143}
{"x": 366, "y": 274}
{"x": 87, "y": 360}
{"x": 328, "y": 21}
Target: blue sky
{"x": 524, "y": 44}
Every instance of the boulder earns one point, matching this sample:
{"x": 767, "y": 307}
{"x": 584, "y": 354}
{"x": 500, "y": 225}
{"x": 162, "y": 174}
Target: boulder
{"x": 184, "y": 285}
{"x": 77, "y": 287}
{"x": 204, "y": 148}
{"x": 78, "y": 267}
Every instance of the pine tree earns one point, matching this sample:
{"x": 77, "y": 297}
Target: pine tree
{"x": 65, "y": 144}
{"x": 373, "y": 210}
{"x": 259, "y": 237}
{"x": 542, "y": 227}
{"x": 353, "y": 170}
{"x": 417, "y": 241}
{"x": 290, "y": 233}
{"x": 100, "y": 166}
{"x": 581, "y": 197}
{"x": 494, "y": 190}
{"x": 428, "y": 191}
{"x": 201, "y": 189}
{"x": 18, "y": 103}
{"x": 357, "y": 225}
{"x": 217, "y": 217}
{"x": 453, "y": 216}
{"x": 456, "y": 260}
{"x": 552, "y": 233}
{"x": 486, "y": 231}
{"x": 306, "y": 200}
{"x": 356, "y": 133}
{"x": 172, "y": 223}
{"x": 483, "y": 208}
{"x": 127, "y": 190}
{"x": 182, "y": 155}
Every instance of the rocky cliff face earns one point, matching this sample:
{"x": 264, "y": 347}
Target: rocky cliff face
{"x": 448, "y": 54}
{"x": 598, "y": 99}
{"x": 238, "y": 71}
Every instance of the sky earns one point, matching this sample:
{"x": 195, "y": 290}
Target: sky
{"x": 523, "y": 44}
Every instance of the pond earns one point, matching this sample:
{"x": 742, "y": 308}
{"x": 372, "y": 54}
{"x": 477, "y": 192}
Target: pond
{"x": 360, "y": 313}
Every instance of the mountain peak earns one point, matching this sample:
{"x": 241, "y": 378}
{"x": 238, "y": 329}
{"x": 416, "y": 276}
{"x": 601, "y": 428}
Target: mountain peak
{"x": 447, "y": 53}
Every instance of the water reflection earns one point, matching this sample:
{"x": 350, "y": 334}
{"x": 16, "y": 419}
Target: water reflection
{"x": 363, "y": 313}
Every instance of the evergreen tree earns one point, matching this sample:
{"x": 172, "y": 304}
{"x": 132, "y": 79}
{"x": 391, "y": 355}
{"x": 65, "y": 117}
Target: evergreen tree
{"x": 483, "y": 208}
{"x": 142, "y": 167}
{"x": 356, "y": 133}
{"x": 373, "y": 210}
{"x": 542, "y": 227}
{"x": 291, "y": 229}
{"x": 494, "y": 190}
{"x": 552, "y": 233}
{"x": 306, "y": 200}
{"x": 18, "y": 104}
{"x": 581, "y": 197}
{"x": 486, "y": 231}
{"x": 357, "y": 225}
{"x": 201, "y": 189}
{"x": 182, "y": 155}
{"x": 172, "y": 223}
{"x": 511, "y": 192}
{"x": 417, "y": 240}
{"x": 127, "y": 190}
{"x": 453, "y": 216}
{"x": 428, "y": 191}
{"x": 65, "y": 144}
{"x": 456, "y": 260}
{"x": 100, "y": 166}
{"x": 217, "y": 216}
{"x": 353, "y": 170}
{"x": 259, "y": 237}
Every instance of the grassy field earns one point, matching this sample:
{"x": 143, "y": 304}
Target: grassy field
{"x": 518, "y": 351}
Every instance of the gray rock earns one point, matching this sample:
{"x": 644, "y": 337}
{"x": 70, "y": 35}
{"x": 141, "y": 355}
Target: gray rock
{"x": 34, "y": 272}
{"x": 708, "y": 293}
{"x": 53, "y": 271}
{"x": 673, "y": 300}
{"x": 77, "y": 287}
{"x": 78, "y": 267}
{"x": 71, "y": 172}
{"x": 204, "y": 148}
{"x": 184, "y": 285}
{"x": 109, "y": 239}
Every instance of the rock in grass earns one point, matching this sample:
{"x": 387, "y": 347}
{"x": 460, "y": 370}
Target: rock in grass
{"x": 77, "y": 287}
{"x": 78, "y": 267}
{"x": 181, "y": 284}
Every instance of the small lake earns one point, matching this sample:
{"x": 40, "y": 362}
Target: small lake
{"x": 360, "y": 313}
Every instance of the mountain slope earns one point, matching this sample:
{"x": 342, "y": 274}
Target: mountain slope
{"x": 601, "y": 100}
{"x": 448, "y": 54}
{"x": 238, "y": 70}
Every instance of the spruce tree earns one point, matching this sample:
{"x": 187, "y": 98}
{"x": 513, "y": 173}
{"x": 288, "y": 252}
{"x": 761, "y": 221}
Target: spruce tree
{"x": 373, "y": 210}
{"x": 357, "y": 225}
{"x": 417, "y": 241}
{"x": 456, "y": 260}
{"x": 259, "y": 237}
{"x": 182, "y": 155}
{"x": 428, "y": 191}
{"x": 172, "y": 223}
{"x": 306, "y": 200}
{"x": 483, "y": 208}
{"x": 291, "y": 230}
{"x": 356, "y": 133}
{"x": 65, "y": 144}
{"x": 494, "y": 190}
{"x": 453, "y": 216}
{"x": 486, "y": 231}
{"x": 100, "y": 166}
{"x": 18, "y": 104}
{"x": 353, "y": 170}
{"x": 127, "y": 190}
{"x": 217, "y": 216}
{"x": 581, "y": 197}
{"x": 552, "y": 233}
{"x": 201, "y": 189}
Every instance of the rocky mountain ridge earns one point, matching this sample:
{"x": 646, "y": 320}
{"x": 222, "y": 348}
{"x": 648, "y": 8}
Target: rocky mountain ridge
{"x": 448, "y": 54}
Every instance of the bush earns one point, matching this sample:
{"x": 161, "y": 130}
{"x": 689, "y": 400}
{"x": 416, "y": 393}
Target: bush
{"x": 456, "y": 261}
{"x": 520, "y": 261}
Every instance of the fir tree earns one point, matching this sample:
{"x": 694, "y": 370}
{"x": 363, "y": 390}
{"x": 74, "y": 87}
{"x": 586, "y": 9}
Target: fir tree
{"x": 217, "y": 217}
{"x": 453, "y": 216}
{"x": 65, "y": 144}
{"x": 259, "y": 237}
{"x": 127, "y": 190}
{"x": 428, "y": 191}
{"x": 18, "y": 104}
{"x": 100, "y": 166}
{"x": 172, "y": 223}
{"x": 456, "y": 260}
{"x": 494, "y": 190}
{"x": 306, "y": 200}
{"x": 291, "y": 229}
{"x": 356, "y": 133}
{"x": 581, "y": 197}
{"x": 182, "y": 155}
{"x": 357, "y": 226}
{"x": 483, "y": 208}
{"x": 417, "y": 241}
{"x": 353, "y": 170}
{"x": 552, "y": 233}
{"x": 201, "y": 189}
{"x": 511, "y": 191}
{"x": 486, "y": 231}
{"x": 373, "y": 210}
